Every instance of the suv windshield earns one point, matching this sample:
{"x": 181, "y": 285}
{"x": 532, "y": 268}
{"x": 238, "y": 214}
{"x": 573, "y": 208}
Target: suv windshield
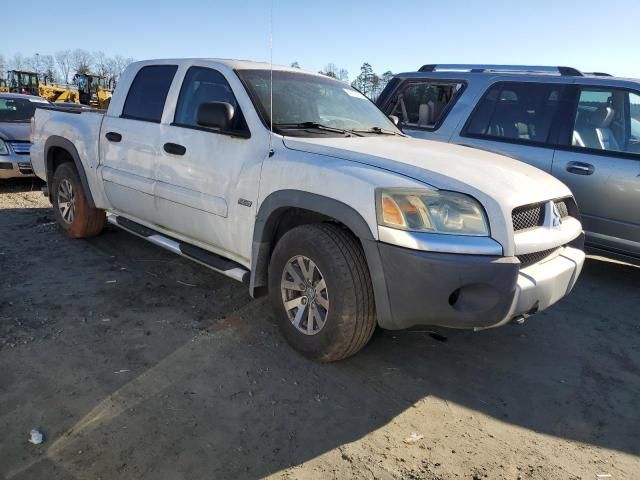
{"x": 314, "y": 106}
{"x": 17, "y": 110}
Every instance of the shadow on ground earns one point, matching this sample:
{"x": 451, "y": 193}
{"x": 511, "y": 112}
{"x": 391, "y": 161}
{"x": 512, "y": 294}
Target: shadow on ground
{"x": 189, "y": 378}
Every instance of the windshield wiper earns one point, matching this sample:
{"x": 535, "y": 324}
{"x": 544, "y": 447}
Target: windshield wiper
{"x": 379, "y": 131}
{"x": 316, "y": 125}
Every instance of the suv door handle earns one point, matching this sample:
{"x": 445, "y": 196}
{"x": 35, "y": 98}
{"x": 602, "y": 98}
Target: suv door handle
{"x": 113, "y": 136}
{"x": 174, "y": 149}
{"x": 580, "y": 168}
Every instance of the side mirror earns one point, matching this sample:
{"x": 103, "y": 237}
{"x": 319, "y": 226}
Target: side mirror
{"x": 394, "y": 119}
{"x": 215, "y": 115}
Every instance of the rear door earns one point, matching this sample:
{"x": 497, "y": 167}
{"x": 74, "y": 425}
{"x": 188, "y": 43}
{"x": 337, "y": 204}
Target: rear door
{"x": 518, "y": 119}
{"x": 129, "y": 143}
{"x": 600, "y": 162}
{"x": 208, "y": 179}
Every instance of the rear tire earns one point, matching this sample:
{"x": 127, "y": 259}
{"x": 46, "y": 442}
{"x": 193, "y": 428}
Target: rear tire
{"x": 71, "y": 207}
{"x": 321, "y": 269}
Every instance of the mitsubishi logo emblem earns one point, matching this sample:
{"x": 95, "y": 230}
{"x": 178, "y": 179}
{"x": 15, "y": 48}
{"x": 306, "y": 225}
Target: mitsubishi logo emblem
{"x": 556, "y": 219}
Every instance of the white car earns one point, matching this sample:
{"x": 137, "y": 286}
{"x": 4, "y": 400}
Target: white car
{"x": 325, "y": 205}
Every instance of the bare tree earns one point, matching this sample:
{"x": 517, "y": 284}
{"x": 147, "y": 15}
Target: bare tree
{"x": 48, "y": 65}
{"x": 101, "y": 64}
{"x": 63, "y": 61}
{"x": 116, "y": 66}
{"x": 331, "y": 70}
{"x": 17, "y": 62}
{"x": 33, "y": 63}
{"x": 3, "y": 67}
{"x": 81, "y": 61}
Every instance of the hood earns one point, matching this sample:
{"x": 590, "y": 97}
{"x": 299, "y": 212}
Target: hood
{"x": 20, "y": 132}
{"x": 491, "y": 178}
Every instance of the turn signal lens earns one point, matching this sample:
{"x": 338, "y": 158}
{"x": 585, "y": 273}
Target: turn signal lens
{"x": 391, "y": 213}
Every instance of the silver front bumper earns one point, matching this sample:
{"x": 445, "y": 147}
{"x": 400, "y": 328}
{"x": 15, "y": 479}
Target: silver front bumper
{"x": 541, "y": 285}
{"x": 15, "y": 166}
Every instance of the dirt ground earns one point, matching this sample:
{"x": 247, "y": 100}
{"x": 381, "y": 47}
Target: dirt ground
{"x": 137, "y": 364}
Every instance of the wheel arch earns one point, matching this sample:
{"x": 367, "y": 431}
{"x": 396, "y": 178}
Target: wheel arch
{"x": 55, "y": 150}
{"x": 278, "y": 208}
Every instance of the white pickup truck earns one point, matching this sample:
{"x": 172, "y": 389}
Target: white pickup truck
{"x": 325, "y": 205}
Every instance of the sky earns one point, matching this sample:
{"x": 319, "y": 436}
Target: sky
{"x": 390, "y": 35}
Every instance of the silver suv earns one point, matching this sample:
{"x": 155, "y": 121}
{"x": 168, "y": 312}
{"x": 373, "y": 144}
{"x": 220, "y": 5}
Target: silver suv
{"x": 584, "y": 128}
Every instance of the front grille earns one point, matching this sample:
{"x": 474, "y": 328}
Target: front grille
{"x": 6, "y": 166}
{"x": 567, "y": 207}
{"x": 21, "y": 148}
{"x": 528, "y": 216}
{"x": 530, "y": 258}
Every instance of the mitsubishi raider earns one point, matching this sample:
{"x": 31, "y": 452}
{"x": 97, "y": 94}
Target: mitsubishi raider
{"x": 300, "y": 187}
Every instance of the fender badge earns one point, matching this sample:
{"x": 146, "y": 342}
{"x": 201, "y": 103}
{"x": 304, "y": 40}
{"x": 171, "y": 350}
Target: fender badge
{"x": 245, "y": 203}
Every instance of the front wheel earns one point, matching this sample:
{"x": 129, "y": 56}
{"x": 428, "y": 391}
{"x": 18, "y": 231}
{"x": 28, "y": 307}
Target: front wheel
{"x": 321, "y": 291}
{"x": 71, "y": 207}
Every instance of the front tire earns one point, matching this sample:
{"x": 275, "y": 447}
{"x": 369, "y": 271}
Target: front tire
{"x": 320, "y": 288}
{"x": 71, "y": 207}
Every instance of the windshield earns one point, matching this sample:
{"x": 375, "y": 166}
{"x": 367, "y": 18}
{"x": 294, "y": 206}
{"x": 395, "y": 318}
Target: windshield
{"x": 300, "y": 98}
{"x": 17, "y": 110}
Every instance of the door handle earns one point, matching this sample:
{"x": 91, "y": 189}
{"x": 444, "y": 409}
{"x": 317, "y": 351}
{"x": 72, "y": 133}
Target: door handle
{"x": 174, "y": 149}
{"x": 580, "y": 168}
{"x": 113, "y": 136}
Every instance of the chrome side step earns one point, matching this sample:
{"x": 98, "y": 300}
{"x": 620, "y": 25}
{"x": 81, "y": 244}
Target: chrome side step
{"x": 210, "y": 260}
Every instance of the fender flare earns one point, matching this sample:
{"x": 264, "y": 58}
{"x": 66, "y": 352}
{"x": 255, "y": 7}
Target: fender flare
{"x": 267, "y": 220}
{"x": 56, "y": 141}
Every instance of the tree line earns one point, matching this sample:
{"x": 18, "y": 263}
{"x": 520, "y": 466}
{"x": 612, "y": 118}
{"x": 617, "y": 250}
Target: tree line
{"x": 63, "y": 64}
{"x": 368, "y": 82}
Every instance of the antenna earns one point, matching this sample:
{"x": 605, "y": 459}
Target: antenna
{"x": 271, "y": 79}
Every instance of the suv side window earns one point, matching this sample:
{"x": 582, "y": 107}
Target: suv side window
{"x": 203, "y": 85}
{"x": 424, "y": 103}
{"x": 516, "y": 111}
{"x": 607, "y": 119}
{"x": 148, "y": 93}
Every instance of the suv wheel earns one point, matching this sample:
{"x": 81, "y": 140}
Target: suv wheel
{"x": 70, "y": 205}
{"x": 321, "y": 290}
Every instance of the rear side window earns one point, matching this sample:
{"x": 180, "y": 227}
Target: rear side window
{"x": 424, "y": 104}
{"x": 607, "y": 120}
{"x": 202, "y": 85}
{"x": 148, "y": 93}
{"x": 516, "y": 111}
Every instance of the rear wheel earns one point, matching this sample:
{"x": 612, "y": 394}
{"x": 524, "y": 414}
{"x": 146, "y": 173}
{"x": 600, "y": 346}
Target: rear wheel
{"x": 71, "y": 207}
{"x": 321, "y": 291}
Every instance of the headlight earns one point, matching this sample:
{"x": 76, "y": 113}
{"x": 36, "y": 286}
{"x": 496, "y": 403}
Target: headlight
{"x": 3, "y": 148}
{"x": 431, "y": 211}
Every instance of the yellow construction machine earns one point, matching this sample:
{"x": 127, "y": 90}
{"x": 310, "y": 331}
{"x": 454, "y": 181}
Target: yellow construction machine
{"x": 93, "y": 90}
{"x": 57, "y": 93}
{"x": 20, "y": 81}
{"x": 3, "y": 85}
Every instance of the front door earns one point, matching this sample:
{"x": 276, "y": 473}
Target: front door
{"x": 207, "y": 179}
{"x": 602, "y": 166}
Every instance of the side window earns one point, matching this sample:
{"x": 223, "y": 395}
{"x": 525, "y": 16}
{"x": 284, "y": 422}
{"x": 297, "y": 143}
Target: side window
{"x": 518, "y": 111}
{"x": 203, "y": 85}
{"x": 607, "y": 120}
{"x": 148, "y": 92}
{"x": 424, "y": 104}
{"x": 634, "y": 103}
